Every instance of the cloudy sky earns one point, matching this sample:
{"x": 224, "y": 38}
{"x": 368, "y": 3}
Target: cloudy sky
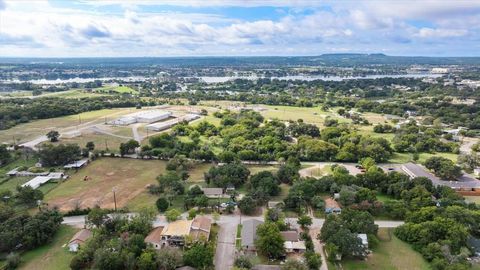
{"x": 212, "y": 27}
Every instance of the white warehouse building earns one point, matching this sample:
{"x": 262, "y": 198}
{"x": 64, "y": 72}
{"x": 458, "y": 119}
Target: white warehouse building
{"x": 170, "y": 123}
{"x": 150, "y": 116}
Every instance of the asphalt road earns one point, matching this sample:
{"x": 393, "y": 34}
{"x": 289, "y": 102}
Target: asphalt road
{"x": 225, "y": 253}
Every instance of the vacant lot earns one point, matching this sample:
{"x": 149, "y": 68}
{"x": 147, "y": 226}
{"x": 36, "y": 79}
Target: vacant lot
{"x": 391, "y": 254}
{"x": 128, "y": 177}
{"x": 29, "y": 131}
{"x": 52, "y": 255}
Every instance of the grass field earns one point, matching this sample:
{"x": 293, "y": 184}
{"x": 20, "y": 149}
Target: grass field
{"x": 407, "y": 157}
{"x": 313, "y": 115}
{"x": 116, "y": 89}
{"x": 28, "y": 131}
{"x": 391, "y": 254}
{"x": 51, "y": 256}
{"x": 101, "y": 141}
{"x": 473, "y": 199}
{"x": 74, "y": 93}
{"x": 128, "y": 177}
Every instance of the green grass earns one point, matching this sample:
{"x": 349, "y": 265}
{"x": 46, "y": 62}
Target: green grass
{"x": 391, "y": 254}
{"x": 116, "y": 89}
{"x": 407, "y": 157}
{"x": 313, "y": 115}
{"x": 238, "y": 240}
{"x": 74, "y": 93}
{"x": 51, "y": 256}
{"x": 472, "y": 199}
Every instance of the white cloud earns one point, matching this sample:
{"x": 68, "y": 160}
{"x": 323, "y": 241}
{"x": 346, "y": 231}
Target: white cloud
{"x": 54, "y": 31}
{"x": 440, "y": 33}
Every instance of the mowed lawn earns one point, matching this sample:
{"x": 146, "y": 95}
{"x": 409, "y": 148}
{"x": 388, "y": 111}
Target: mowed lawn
{"x": 51, "y": 256}
{"x": 129, "y": 178}
{"x": 391, "y": 254}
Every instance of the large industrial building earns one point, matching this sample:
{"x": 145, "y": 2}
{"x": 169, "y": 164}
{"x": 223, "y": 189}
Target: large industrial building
{"x": 150, "y": 116}
{"x": 170, "y": 123}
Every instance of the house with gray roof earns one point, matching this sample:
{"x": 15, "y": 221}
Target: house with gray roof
{"x": 249, "y": 234}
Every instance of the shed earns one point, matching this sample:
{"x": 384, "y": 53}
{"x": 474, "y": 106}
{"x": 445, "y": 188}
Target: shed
{"x": 79, "y": 239}
{"x": 294, "y": 246}
{"x": 76, "y": 164}
{"x": 331, "y": 206}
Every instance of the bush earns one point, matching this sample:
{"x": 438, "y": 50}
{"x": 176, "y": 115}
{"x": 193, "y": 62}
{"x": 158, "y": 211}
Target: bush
{"x": 162, "y": 204}
{"x": 13, "y": 260}
{"x": 243, "y": 262}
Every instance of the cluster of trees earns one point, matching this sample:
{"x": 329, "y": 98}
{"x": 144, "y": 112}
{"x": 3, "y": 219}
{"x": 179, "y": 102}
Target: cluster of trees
{"x": 385, "y": 128}
{"x": 5, "y": 155}
{"x": 265, "y": 184}
{"x": 245, "y": 136}
{"x": 231, "y": 174}
{"x": 438, "y": 220}
{"x": 128, "y": 147}
{"x": 21, "y": 231}
{"x": 168, "y": 145}
{"x": 58, "y": 155}
{"x": 413, "y": 138}
{"x": 340, "y": 233}
{"x": 443, "y": 168}
{"x": 441, "y": 234}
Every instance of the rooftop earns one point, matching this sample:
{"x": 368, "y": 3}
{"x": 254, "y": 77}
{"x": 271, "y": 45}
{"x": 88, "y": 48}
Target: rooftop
{"x": 212, "y": 191}
{"x": 249, "y": 231}
{"x": 331, "y": 203}
{"x": 290, "y": 235}
{"x": 81, "y": 236}
{"x": 155, "y": 235}
{"x": 178, "y": 228}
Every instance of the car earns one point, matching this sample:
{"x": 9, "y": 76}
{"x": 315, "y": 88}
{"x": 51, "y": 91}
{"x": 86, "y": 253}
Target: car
{"x": 391, "y": 169}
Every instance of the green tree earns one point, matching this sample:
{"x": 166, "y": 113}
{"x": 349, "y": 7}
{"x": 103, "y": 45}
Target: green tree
{"x": 269, "y": 240}
{"x": 172, "y": 215}
{"x": 265, "y": 182}
{"x": 147, "y": 261}
{"x": 247, "y": 205}
{"x": 169, "y": 258}
{"x": 53, "y": 135}
{"x": 162, "y": 204}
{"x": 199, "y": 256}
{"x": 97, "y": 216}
{"x": 304, "y": 221}
{"x": 90, "y": 146}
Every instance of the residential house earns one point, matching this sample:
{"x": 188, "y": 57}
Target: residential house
{"x": 174, "y": 233}
{"x": 213, "y": 192}
{"x": 249, "y": 234}
{"x": 332, "y": 206}
{"x": 292, "y": 242}
{"x": 155, "y": 237}
{"x": 79, "y": 239}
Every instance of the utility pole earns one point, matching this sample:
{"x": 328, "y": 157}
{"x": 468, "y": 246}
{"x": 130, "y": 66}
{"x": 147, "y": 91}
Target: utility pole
{"x": 114, "y": 199}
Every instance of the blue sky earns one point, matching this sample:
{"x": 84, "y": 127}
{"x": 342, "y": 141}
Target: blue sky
{"x": 84, "y": 28}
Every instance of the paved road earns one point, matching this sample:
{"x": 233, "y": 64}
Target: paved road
{"x": 225, "y": 253}
{"x": 318, "y": 247}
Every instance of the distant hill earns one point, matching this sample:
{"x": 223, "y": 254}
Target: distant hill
{"x": 337, "y": 59}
